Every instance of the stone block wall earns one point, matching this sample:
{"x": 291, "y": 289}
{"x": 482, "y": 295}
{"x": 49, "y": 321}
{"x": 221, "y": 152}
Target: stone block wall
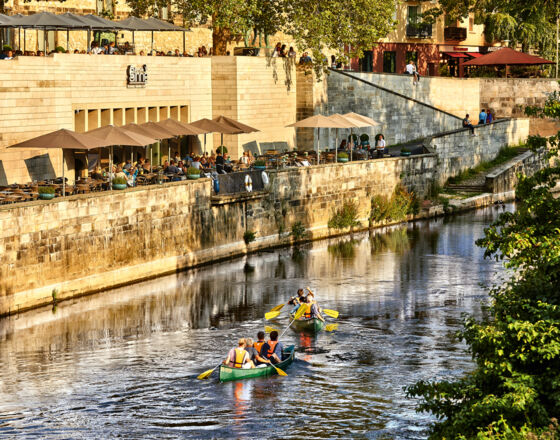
{"x": 93, "y": 242}
{"x": 458, "y": 150}
{"x": 506, "y": 177}
{"x": 400, "y": 119}
{"x": 258, "y": 91}
{"x": 457, "y": 96}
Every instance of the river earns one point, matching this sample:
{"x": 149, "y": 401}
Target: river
{"x": 123, "y": 363}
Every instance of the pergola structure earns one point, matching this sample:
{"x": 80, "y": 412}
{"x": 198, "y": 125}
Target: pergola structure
{"x": 47, "y": 21}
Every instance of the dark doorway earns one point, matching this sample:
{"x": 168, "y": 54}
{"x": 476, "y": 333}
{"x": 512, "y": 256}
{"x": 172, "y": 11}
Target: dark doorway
{"x": 367, "y": 61}
{"x": 389, "y": 62}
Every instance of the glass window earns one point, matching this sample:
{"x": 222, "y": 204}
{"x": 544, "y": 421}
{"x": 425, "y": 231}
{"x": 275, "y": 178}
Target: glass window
{"x": 389, "y": 62}
{"x": 412, "y": 56}
{"x": 471, "y": 24}
{"x": 412, "y": 14}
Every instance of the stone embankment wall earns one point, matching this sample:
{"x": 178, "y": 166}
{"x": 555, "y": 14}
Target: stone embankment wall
{"x": 457, "y": 96}
{"x": 506, "y": 177}
{"x": 400, "y": 118}
{"x": 458, "y": 150}
{"x": 93, "y": 242}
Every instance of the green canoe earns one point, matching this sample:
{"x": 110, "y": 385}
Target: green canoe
{"x": 228, "y": 373}
{"x": 311, "y": 325}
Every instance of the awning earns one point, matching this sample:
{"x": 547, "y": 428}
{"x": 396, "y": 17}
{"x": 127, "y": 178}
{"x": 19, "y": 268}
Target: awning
{"x": 475, "y": 54}
{"x": 455, "y": 54}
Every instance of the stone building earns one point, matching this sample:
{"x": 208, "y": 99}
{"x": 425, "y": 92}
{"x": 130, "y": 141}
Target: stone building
{"x": 445, "y": 43}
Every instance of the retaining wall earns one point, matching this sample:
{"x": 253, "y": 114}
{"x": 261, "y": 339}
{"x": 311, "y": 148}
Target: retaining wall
{"x": 93, "y": 242}
{"x": 506, "y": 177}
{"x": 458, "y": 150}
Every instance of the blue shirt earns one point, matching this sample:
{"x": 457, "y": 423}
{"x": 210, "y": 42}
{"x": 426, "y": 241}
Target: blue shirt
{"x": 277, "y": 350}
{"x": 482, "y": 117}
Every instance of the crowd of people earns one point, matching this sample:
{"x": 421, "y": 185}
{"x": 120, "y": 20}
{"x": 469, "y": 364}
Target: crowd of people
{"x": 365, "y": 150}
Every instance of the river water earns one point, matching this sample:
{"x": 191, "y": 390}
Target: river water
{"x": 123, "y": 363}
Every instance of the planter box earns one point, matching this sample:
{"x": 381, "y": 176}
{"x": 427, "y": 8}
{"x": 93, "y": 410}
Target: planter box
{"x": 259, "y": 167}
{"x": 119, "y": 186}
{"x": 406, "y": 153}
{"x": 193, "y": 176}
{"x": 342, "y": 159}
{"x": 46, "y": 196}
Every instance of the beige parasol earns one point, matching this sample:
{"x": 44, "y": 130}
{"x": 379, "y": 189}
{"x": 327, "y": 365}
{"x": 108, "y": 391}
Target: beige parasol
{"x": 318, "y": 121}
{"x": 66, "y": 140}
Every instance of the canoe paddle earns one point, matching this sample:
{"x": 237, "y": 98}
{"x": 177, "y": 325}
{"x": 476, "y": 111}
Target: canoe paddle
{"x": 278, "y": 307}
{"x": 268, "y": 329}
{"x": 271, "y": 315}
{"x": 278, "y": 370}
{"x": 331, "y": 313}
{"x": 207, "y": 373}
{"x": 331, "y": 327}
{"x": 297, "y": 315}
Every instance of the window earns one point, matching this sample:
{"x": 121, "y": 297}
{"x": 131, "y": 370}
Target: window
{"x": 471, "y": 24}
{"x": 412, "y": 14}
{"x": 411, "y": 56}
{"x": 389, "y": 62}
{"x": 366, "y": 62}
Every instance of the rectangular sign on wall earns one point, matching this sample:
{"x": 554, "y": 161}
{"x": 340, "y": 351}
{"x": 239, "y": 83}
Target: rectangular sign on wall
{"x": 136, "y": 77}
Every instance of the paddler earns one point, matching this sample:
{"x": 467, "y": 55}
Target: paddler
{"x": 311, "y": 308}
{"x": 272, "y": 350}
{"x": 253, "y": 351}
{"x": 238, "y": 357}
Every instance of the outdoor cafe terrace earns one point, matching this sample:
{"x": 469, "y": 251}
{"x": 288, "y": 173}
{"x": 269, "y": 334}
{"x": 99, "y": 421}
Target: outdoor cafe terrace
{"x": 135, "y": 167}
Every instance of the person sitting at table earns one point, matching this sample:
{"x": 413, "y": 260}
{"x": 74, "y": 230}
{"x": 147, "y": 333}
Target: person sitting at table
{"x": 131, "y": 174}
{"x": 172, "y": 168}
{"x": 343, "y": 145}
{"x": 220, "y": 163}
{"x": 196, "y": 163}
{"x": 251, "y": 157}
{"x": 176, "y": 157}
{"x": 146, "y": 165}
{"x": 228, "y": 166}
{"x": 244, "y": 160}
{"x": 97, "y": 174}
{"x": 204, "y": 162}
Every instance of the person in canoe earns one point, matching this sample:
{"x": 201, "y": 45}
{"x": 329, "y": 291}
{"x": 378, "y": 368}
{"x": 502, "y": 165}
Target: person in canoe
{"x": 272, "y": 350}
{"x": 254, "y": 353}
{"x": 258, "y": 345}
{"x": 312, "y": 309}
{"x": 239, "y": 357}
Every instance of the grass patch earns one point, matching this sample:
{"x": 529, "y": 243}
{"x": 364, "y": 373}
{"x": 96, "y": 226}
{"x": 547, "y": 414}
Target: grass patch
{"x": 504, "y": 155}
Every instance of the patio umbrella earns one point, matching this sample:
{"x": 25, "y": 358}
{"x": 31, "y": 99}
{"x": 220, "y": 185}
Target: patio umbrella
{"x": 317, "y": 121}
{"x": 65, "y": 140}
{"x": 235, "y": 126}
{"x": 361, "y": 119}
{"x": 349, "y": 123}
{"x": 211, "y": 126}
{"x": 137, "y": 24}
{"x": 150, "y": 129}
{"x": 121, "y": 136}
{"x": 506, "y": 57}
{"x": 178, "y": 129}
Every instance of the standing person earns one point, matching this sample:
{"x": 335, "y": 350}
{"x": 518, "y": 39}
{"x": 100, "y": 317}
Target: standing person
{"x": 277, "y": 50}
{"x": 489, "y": 117}
{"x": 415, "y": 73}
{"x": 482, "y": 117}
{"x": 467, "y": 124}
{"x": 380, "y": 145}
{"x": 291, "y": 53}
{"x": 238, "y": 357}
{"x": 220, "y": 162}
{"x": 272, "y": 350}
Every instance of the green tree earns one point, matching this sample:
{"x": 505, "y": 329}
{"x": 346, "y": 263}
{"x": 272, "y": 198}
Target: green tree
{"x": 319, "y": 26}
{"x": 515, "y": 385}
{"x": 532, "y": 24}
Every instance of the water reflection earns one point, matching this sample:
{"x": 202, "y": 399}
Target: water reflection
{"x": 123, "y": 363}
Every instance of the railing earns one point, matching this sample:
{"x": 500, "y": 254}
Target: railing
{"x": 455, "y": 33}
{"x": 422, "y": 30}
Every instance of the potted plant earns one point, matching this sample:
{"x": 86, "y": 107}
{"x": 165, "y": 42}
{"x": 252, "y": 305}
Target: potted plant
{"x": 221, "y": 150}
{"x": 193, "y": 173}
{"x": 119, "y": 183}
{"x": 342, "y": 157}
{"x": 259, "y": 165}
{"x": 46, "y": 192}
{"x": 405, "y": 152}
{"x": 353, "y": 137}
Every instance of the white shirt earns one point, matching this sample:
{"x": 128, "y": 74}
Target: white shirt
{"x": 97, "y": 50}
{"x": 381, "y": 144}
{"x": 409, "y": 68}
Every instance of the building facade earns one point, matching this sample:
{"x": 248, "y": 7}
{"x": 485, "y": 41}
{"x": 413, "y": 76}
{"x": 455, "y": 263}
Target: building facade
{"x": 438, "y": 49}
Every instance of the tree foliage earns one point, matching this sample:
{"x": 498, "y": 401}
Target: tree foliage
{"x": 315, "y": 25}
{"x": 532, "y": 24}
{"x": 515, "y": 386}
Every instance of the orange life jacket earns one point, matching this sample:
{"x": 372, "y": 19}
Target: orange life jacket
{"x": 307, "y": 314}
{"x": 271, "y": 347}
{"x": 258, "y": 345}
{"x": 239, "y": 357}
